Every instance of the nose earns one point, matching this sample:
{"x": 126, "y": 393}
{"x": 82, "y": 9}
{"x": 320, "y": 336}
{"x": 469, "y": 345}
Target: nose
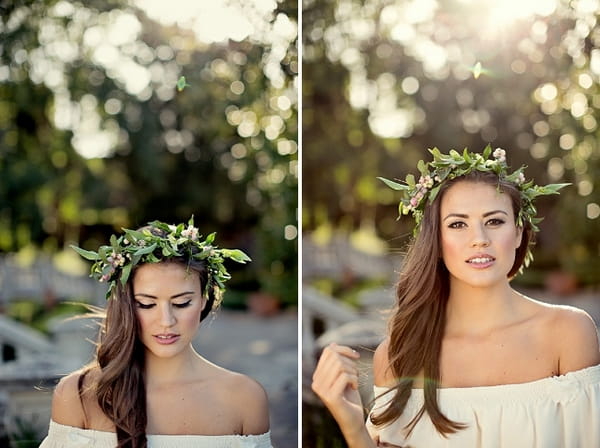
{"x": 167, "y": 318}
{"x": 480, "y": 236}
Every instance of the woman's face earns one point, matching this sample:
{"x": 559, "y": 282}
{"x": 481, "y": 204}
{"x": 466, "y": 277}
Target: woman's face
{"x": 168, "y": 304}
{"x": 478, "y": 234}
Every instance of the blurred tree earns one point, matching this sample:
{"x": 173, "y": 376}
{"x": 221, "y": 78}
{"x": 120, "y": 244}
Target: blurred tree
{"x": 94, "y": 135}
{"x": 383, "y": 81}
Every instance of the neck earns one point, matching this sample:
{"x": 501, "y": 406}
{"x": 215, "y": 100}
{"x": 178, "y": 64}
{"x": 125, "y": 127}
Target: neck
{"x": 170, "y": 370}
{"x": 478, "y": 310}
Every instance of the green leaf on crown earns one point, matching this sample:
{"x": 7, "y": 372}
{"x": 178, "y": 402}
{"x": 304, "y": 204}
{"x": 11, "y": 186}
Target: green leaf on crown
{"x": 145, "y": 250}
{"x": 433, "y": 193}
{"x": 236, "y": 255}
{"x": 87, "y": 254}
{"x": 487, "y": 151}
{"x": 422, "y": 167}
{"x": 125, "y": 273}
{"x": 133, "y": 235}
{"x": 466, "y": 156}
{"x": 393, "y": 185}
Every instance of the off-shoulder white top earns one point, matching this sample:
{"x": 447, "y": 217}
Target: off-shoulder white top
{"x": 557, "y": 412}
{"x": 61, "y": 436}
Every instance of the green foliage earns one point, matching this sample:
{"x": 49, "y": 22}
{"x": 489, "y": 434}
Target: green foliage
{"x": 113, "y": 263}
{"x": 176, "y": 127}
{"x": 319, "y": 429}
{"x": 25, "y": 436}
{"x": 33, "y": 313}
{"x": 379, "y": 90}
{"x": 415, "y": 196}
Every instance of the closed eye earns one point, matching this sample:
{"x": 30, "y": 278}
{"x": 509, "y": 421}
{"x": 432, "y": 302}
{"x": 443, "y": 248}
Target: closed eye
{"x": 183, "y": 305}
{"x": 144, "y": 306}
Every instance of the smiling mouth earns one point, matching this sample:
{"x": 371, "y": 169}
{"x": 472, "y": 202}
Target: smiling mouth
{"x": 481, "y": 260}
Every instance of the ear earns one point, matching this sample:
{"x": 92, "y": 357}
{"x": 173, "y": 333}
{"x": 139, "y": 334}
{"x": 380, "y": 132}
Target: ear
{"x": 204, "y": 301}
{"x": 518, "y": 237}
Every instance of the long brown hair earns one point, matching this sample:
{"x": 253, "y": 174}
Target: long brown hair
{"x": 417, "y": 325}
{"x": 120, "y": 355}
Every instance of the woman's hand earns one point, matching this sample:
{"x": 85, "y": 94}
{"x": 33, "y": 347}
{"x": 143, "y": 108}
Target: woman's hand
{"x": 335, "y": 381}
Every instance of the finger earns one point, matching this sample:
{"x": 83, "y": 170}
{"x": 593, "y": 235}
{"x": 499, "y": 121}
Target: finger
{"x": 342, "y": 383}
{"x": 322, "y": 384}
{"x": 328, "y": 374}
{"x": 343, "y": 350}
{"x": 334, "y": 351}
{"x": 335, "y": 354}
{"x": 335, "y": 362}
{"x": 335, "y": 394}
{"x": 330, "y": 366}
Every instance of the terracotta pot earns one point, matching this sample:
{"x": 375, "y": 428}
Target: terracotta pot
{"x": 561, "y": 283}
{"x": 263, "y": 304}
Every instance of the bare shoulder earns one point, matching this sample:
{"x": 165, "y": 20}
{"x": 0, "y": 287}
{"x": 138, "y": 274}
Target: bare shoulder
{"x": 244, "y": 386}
{"x": 248, "y": 397}
{"x": 572, "y": 332}
{"x": 576, "y": 336}
{"x": 382, "y": 374}
{"x": 66, "y": 402}
{"x": 248, "y": 391}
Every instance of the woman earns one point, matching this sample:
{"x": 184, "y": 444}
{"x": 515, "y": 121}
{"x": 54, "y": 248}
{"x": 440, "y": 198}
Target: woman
{"x": 468, "y": 361}
{"x": 147, "y": 385}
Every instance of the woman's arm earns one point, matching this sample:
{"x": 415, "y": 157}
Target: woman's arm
{"x": 335, "y": 381}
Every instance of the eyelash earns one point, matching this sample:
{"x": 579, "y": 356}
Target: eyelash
{"x": 456, "y": 225}
{"x": 461, "y": 224}
{"x": 151, "y": 305}
{"x": 182, "y": 305}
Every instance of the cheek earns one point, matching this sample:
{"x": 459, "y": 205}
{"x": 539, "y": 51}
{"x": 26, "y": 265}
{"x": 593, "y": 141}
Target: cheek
{"x": 512, "y": 241}
{"x": 450, "y": 246}
{"x": 143, "y": 319}
{"x": 190, "y": 317}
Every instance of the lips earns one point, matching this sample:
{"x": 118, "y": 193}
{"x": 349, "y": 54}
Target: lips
{"x": 166, "y": 338}
{"x": 481, "y": 260}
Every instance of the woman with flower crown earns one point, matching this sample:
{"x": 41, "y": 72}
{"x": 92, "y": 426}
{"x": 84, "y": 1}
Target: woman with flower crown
{"x": 147, "y": 385}
{"x": 468, "y": 361}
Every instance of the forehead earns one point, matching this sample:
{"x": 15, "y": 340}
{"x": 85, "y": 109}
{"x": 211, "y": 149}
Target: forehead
{"x": 164, "y": 277}
{"x": 466, "y": 197}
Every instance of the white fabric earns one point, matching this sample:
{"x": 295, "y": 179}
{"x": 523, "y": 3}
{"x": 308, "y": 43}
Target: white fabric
{"x": 61, "y": 436}
{"x": 556, "y": 412}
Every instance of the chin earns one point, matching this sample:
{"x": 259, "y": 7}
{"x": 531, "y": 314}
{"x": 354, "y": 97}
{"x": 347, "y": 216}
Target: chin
{"x": 480, "y": 281}
{"x": 166, "y": 351}
{"x": 163, "y": 354}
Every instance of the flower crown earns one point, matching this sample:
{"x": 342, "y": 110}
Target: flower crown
{"x": 115, "y": 262}
{"x": 417, "y": 194}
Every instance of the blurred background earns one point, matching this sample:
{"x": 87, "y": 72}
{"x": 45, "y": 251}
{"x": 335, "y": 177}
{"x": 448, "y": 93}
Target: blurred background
{"x": 385, "y": 80}
{"x": 95, "y": 136}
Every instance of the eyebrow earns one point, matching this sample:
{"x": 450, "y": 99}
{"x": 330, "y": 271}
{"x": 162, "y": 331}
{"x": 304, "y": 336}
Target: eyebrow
{"x": 485, "y": 215}
{"x": 150, "y": 296}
